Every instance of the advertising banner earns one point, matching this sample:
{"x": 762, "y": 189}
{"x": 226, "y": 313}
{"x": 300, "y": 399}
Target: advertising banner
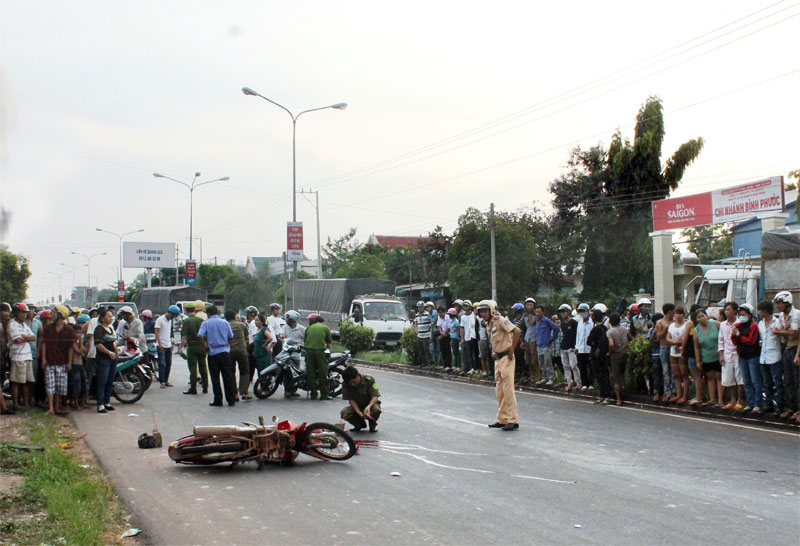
{"x": 137, "y": 254}
{"x": 294, "y": 241}
{"x": 719, "y": 206}
{"x": 190, "y": 270}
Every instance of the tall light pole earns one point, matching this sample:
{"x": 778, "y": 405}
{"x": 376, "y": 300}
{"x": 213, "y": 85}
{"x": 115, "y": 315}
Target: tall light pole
{"x": 316, "y": 207}
{"x": 338, "y": 106}
{"x": 89, "y": 270}
{"x": 191, "y": 187}
{"x": 73, "y": 267}
{"x": 118, "y": 236}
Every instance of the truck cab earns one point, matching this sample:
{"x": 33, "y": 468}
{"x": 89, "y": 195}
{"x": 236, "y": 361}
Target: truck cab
{"x": 385, "y": 314}
{"x": 739, "y": 284}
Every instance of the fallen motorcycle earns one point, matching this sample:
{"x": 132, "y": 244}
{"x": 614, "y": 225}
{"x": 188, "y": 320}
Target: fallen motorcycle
{"x": 280, "y": 442}
{"x": 289, "y": 369}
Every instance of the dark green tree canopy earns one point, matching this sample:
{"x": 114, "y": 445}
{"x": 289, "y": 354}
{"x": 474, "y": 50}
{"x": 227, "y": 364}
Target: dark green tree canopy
{"x": 14, "y": 274}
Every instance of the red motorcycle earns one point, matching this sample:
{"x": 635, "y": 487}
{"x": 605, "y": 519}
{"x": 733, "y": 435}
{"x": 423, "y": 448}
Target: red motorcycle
{"x": 280, "y": 442}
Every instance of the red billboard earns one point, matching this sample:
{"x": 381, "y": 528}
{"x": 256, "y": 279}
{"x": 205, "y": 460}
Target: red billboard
{"x": 294, "y": 241}
{"x": 719, "y": 206}
{"x": 190, "y": 272}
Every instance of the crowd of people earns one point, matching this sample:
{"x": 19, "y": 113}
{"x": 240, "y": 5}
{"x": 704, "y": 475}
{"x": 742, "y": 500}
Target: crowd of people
{"x": 741, "y": 359}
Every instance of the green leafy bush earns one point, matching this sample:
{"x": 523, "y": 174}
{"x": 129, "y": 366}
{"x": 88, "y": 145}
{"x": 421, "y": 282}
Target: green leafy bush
{"x": 355, "y": 337}
{"x": 639, "y": 365}
{"x": 409, "y": 344}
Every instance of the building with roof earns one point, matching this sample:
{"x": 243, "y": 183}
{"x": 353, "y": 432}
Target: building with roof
{"x": 747, "y": 234}
{"x": 395, "y": 241}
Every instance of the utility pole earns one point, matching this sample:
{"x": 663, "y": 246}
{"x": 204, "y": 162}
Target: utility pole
{"x": 494, "y": 259}
{"x": 285, "y": 281}
{"x": 177, "y": 264}
{"x": 319, "y": 251}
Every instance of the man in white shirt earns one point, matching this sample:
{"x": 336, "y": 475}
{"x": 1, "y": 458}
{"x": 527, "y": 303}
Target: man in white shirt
{"x": 275, "y": 324}
{"x": 19, "y": 337}
{"x": 770, "y": 358}
{"x": 789, "y": 330}
{"x": 729, "y": 357}
{"x": 164, "y": 340}
{"x": 466, "y": 325}
{"x": 585, "y": 326}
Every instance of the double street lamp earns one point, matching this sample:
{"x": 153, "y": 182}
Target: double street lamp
{"x": 338, "y": 106}
{"x": 88, "y": 270}
{"x": 191, "y": 187}
{"x": 118, "y": 236}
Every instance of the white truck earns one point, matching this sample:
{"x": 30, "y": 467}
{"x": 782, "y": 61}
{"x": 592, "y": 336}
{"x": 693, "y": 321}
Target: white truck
{"x": 368, "y": 302}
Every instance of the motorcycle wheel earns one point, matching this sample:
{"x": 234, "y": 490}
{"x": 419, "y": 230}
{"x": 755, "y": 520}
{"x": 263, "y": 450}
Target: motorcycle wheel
{"x": 344, "y": 449}
{"x": 335, "y": 382}
{"x": 265, "y": 386}
{"x": 148, "y": 380}
{"x": 134, "y": 376}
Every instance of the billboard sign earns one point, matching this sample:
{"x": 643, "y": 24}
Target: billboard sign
{"x": 719, "y": 206}
{"x": 137, "y": 254}
{"x": 294, "y": 241}
{"x": 190, "y": 272}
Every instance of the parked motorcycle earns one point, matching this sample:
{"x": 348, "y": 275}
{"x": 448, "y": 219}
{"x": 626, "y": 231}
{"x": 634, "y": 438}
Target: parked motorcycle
{"x": 289, "y": 367}
{"x": 150, "y": 360}
{"x": 131, "y": 379}
{"x": 280, "y": 442}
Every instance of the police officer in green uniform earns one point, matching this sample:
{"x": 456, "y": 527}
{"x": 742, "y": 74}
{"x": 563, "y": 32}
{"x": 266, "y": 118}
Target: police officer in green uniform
{"x": 364, "y": 397}
{"x": 317, "y": 341}
{"x": 195, "y": 351}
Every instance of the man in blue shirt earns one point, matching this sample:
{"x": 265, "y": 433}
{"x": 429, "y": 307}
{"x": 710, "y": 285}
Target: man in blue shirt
{"x": 546, "y": 332}
{"x": 217, "y": 335}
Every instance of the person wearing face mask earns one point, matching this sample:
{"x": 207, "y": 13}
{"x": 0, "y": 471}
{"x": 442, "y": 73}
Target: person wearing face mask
{"x": 746, "y": 338}
{"x": 582, "y": 346}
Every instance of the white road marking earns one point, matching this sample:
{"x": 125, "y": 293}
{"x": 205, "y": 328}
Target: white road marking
{"x": 541, "y": 479}
{"x": 432, "y": 463}
{"x": 483, "y": 425}
{"x": 623, "y": 408}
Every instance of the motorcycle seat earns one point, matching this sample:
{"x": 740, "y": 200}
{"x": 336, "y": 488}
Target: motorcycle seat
{"x": 335, "y": 356}
{"x": 125, "y": 358}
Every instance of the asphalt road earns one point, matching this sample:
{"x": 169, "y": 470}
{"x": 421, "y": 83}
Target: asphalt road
{"x": 573, "y": 473}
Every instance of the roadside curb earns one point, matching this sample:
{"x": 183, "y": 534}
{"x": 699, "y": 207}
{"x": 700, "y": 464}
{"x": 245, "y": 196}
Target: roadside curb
{"x": 631, "y": 400}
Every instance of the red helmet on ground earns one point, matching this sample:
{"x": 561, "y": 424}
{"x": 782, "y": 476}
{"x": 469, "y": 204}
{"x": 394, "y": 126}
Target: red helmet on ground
{"x": 312, "y": 318}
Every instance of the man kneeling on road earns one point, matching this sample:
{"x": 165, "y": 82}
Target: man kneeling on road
{"x": 364, "y": 397}
{"x": 504, "y": 338}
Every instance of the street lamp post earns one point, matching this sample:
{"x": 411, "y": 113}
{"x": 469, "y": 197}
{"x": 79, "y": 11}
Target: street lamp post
{"x": 338, "y": 106}
{"x": 89, "y": 270}
{"x": 118, "y": 236}
{"x": 73, "y": 267}
{"x": 191, "y": 187}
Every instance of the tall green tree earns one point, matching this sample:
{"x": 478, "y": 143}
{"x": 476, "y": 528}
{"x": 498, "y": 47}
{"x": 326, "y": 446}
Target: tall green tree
{"x": 14, "y": 274}
{"x": 710, "y": 242}
{"x": 603, "y": 203}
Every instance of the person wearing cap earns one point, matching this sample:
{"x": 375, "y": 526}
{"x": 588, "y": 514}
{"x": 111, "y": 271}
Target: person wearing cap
{"x": 455, "y": 338}
{"x": 275, "y": 323}
{"x": 789, "y": 331}
{"x": 251, "y": 313}
{"x": 195, "y": 350}
{"x": 148, "y": 324}
{"x": 134, "y": 328}
{"x": 747, "y": 339}
{"x": 468, "y": 331}
{"x": 163, "y": 332}
{"x": 57, "y": 344}
{"x": 200, "y": 310}
{"x": 422, "y": 327}
{"x": 293, "y": 332}
{"x": 317, "y": 341}
{"x": 504, "y": 339}
{"x": 443, "y": 339}
{"x": 20, "y": 335}
{"x": 598, "y": 342}
{"x": 641, "y": 320}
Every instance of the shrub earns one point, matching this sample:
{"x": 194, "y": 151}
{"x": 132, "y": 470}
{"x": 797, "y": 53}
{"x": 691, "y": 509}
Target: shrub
{"x": 638, "y": 365}
{"x": 409, "y": 344}
{"x": 355, "y": 337}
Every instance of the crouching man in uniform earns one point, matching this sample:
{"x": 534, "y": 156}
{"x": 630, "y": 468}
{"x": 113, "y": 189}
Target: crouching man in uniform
{"x": 364, "y": 397}
{"x": 504, "y": 338}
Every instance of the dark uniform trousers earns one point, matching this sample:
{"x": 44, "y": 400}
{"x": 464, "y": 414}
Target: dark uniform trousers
{"x": 349, "y": 414}
{"x": 221, "y": 364}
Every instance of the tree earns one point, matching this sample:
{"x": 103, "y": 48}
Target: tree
{"x": 710, "y": 242}
{"x": 603, "y": 203}
{"x": 469, "y": 265}
{"x": 14, "y": 274}
{"x": 362, "y": 266}
{"x": 338, "y": 252}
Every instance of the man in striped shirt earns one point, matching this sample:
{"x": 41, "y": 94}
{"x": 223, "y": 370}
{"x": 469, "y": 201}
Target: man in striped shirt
{"x": 422, "y": 325}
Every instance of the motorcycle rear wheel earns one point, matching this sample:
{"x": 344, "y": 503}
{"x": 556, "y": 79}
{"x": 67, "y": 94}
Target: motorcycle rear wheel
{"x": 335, "y": 382}
{"x": 265, "y": 386}
{"x": 135, "y": 377}
{"x": 344, "y": 449}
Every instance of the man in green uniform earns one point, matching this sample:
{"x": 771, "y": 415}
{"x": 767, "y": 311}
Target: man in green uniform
{"x": 239, "y": 352}
{"x": 317, "y": 340}
{"x": 195, "y": 351}
{"x": 364, "y": 397}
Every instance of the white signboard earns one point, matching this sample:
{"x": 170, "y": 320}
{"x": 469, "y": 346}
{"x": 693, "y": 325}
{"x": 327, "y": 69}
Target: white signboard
{"x": 137, "y": 255}
{"x": 747, "y": 200}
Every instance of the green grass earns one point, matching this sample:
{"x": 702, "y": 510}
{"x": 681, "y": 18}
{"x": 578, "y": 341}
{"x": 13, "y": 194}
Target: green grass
{"x": 78, "y": 502}
{"x": 394, "y": 357}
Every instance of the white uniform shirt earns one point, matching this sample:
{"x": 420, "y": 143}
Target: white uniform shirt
{"x": 468, "y": 324}
{"x": 252, "y": 330}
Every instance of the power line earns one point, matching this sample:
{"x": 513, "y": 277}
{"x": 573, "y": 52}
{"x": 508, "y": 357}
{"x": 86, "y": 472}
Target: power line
{"x": 559, "y": 98}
